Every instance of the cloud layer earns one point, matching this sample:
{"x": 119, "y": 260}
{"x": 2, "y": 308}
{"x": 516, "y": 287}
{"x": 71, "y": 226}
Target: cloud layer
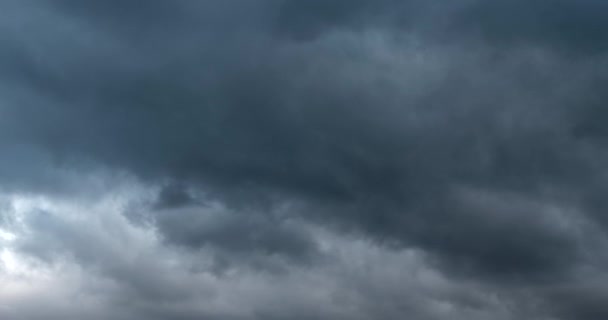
{"x": 275, "y": 159}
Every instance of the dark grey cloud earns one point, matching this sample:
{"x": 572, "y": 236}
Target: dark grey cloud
{"x": 574, "y": 27}
{"x": 237, "y": 237}
{"x": 469, "y": 130}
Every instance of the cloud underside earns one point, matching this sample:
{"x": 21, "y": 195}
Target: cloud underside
{"x": 277, "y": 159}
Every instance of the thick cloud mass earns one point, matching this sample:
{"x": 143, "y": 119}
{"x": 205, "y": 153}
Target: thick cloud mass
{"x": 273, "y": 159}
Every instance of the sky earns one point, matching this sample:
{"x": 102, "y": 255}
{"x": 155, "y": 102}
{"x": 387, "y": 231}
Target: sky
{"x": 303, "y": 159}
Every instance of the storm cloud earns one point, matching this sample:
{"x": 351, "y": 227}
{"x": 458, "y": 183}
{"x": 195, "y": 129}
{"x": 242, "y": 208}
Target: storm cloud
{"x": 274, "y": 159}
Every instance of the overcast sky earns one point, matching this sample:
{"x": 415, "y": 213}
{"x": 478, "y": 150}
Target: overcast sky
{"x": 303, "y": 159}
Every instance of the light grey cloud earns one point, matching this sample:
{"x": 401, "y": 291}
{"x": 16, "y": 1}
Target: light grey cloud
{"x": 106, "y": 268}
